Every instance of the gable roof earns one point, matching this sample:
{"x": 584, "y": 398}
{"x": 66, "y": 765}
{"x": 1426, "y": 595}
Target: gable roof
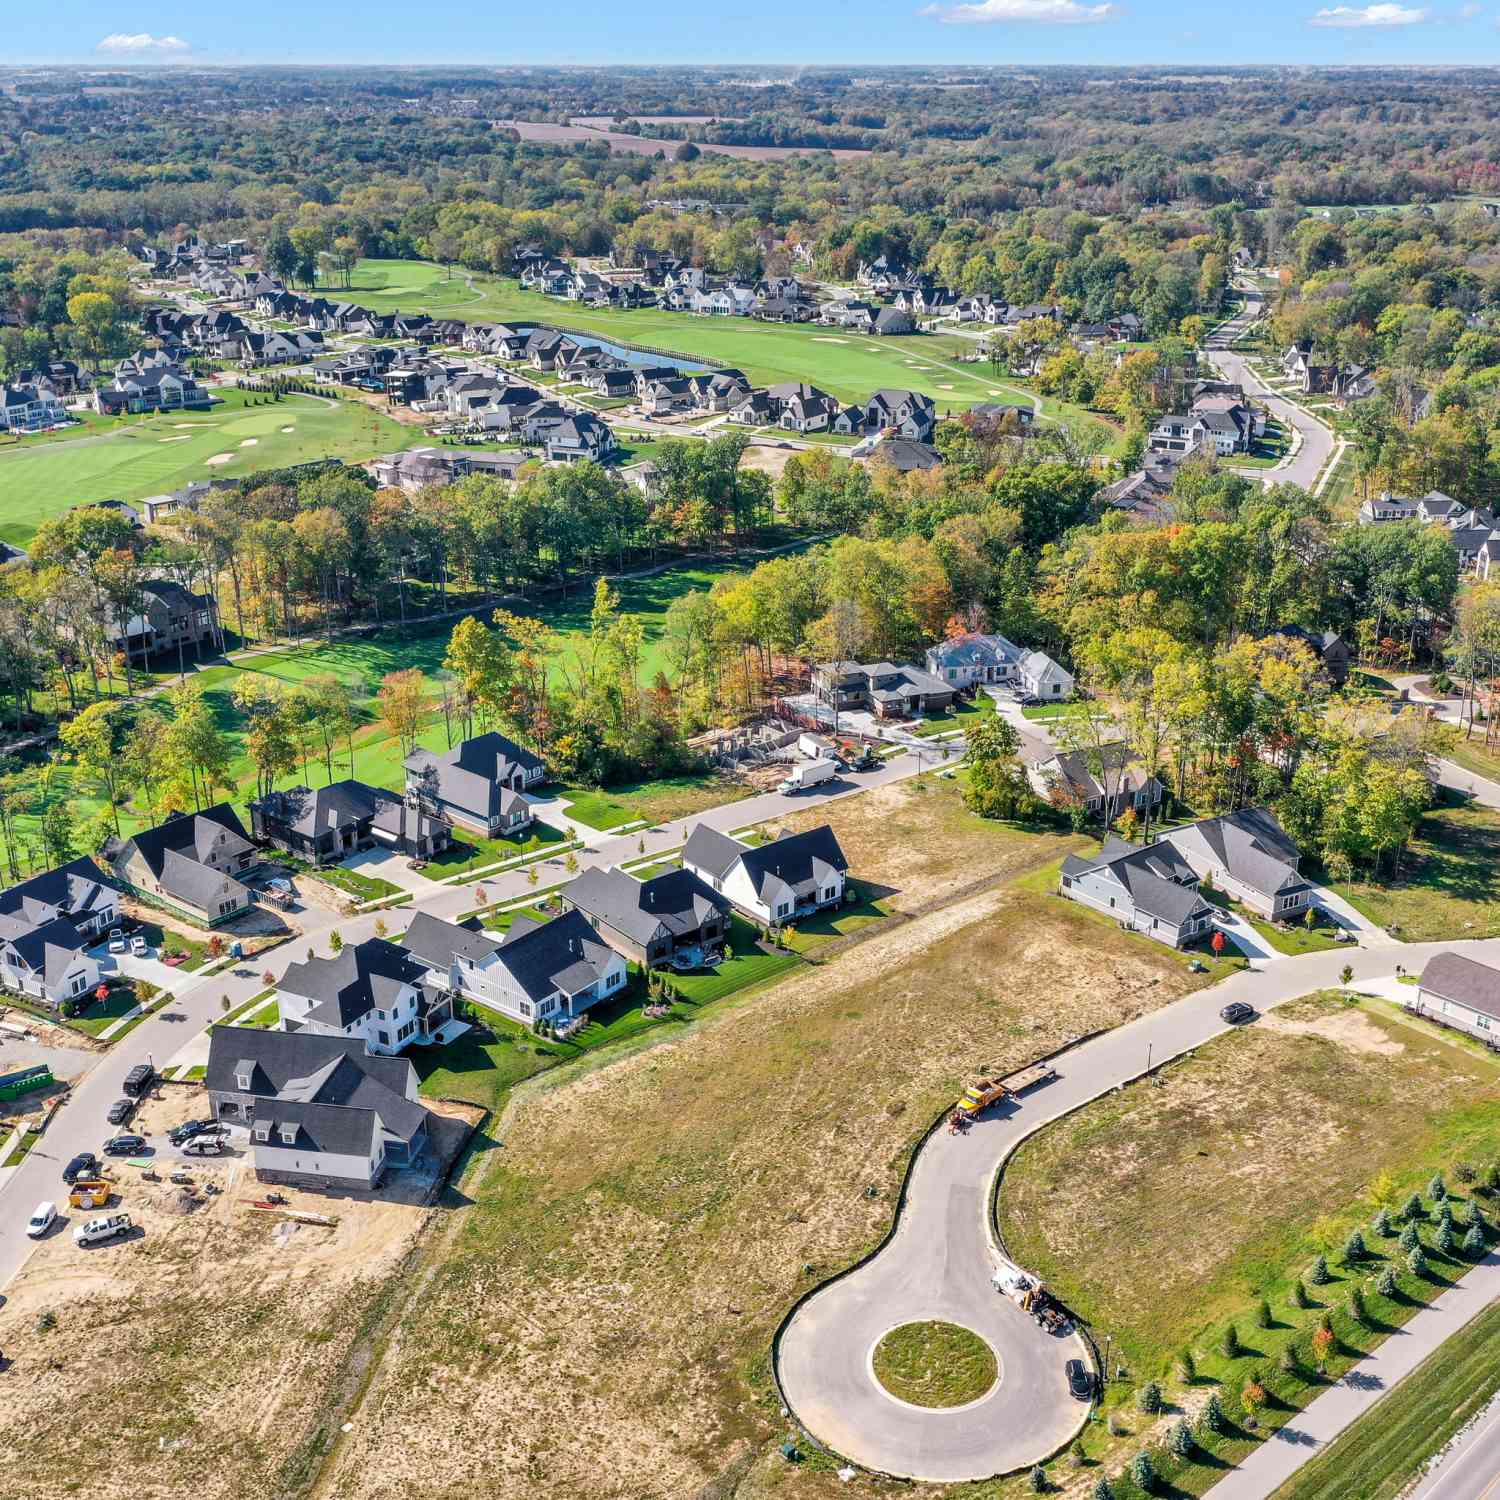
{"x": 74, "y": 889}
{"x": 774, "y": 869}
{"x": 360, "y": 978}
{"x": 1250, "y": 844}
{"x": 437, "y": 943}
{"x": 1465, "y": 981}
{"x": 674, "y": 902}
{"x": 564, "y": 954}
{"x": 474, "y": 774}
{"x": 1158, "y": 880}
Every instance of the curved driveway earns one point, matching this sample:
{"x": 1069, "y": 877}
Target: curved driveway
{"x": 939, "y": 1262}
{"x": 1315, "y": 443}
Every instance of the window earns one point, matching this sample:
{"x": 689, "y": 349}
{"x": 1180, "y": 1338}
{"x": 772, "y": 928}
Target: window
{"x": 80, "y": 984}
{"x": 525, "y": 1009}
{"x": 242, "y": 1082}
{"x": 383, "y": 1038}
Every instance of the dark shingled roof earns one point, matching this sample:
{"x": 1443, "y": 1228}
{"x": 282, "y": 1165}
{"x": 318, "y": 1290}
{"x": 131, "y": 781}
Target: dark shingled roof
{"x": 564, "y": 954}
{"x": 362, "y": 977}
{"x": 782, "y": 864}
{"x": 475, "y": 775}
{"x": 437, "y": 943}
{"x": 676, "y": 901}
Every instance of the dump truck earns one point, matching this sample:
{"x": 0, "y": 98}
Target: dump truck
{"x": 89, "y": 1192}
{"x": 984, "y": 1092}
{"x": 809, "y": 773}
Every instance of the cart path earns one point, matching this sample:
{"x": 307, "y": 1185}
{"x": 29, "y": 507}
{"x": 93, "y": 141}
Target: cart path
{"x": 939, "y": 1261}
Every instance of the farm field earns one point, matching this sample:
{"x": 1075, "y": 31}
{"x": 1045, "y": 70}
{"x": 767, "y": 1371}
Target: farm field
{"x": 710, "y": 1211}
{"x": 623, "y": 143}
{"x": 845, "y": 365}
{"x": 136, "y": 456}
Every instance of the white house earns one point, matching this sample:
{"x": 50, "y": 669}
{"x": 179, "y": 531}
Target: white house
{"x": 371, "y": 991}
{"x": 969, "y": 660}
{"x": 1462, "y": 993}
{"x": 536, "y": 971}
{"x": 47, "y": 925}
{"x": 1247, "y": 855}
{"x": 773, "y": 883}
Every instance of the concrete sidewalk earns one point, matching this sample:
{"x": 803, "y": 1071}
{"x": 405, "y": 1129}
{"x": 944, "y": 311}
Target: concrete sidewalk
{"x": 1286, "y": 1450}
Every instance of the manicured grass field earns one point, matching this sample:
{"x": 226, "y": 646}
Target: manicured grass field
{"x": 471, "y": 852}
{"x": 1376, "y": 1457}
{"x": 960, "y": 716}
{"x": 650, "y": 801}
{"x": 844, "y": 364}
{"x": 749, "y": 965}
{"x": 103, "y": 1014}
{"x": 135, "y": 456}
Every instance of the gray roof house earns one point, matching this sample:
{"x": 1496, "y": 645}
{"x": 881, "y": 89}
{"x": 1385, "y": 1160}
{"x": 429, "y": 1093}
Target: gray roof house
{"x": 1149, "y": 889}
{"x": 672, "y": 917}
{"x": 372, "y": 990}
{"x": 967, "y": 660}
{"x": 1462, "y": 993}
{"x": 1249, "y": 855}
{"x": 191, "y": 863}
{"x": 329, "y": 823}
{"x": 889, "y": 690}
{"x": 774, "y": 883}
{"x": 322, "y": 1111}
{"x": 478, "y": 783}
{"x": 535, "y": 971}
{"x": 1105, "y": 784}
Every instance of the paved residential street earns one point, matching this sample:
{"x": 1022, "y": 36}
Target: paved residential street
{"x": 1470, "y": 1469}
{"x": 1314, "y": 444}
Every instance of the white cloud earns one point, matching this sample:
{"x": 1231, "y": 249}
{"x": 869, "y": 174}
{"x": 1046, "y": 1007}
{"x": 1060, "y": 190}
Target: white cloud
{"x": 1470, "y": 11}
{"x": 141, "y": 41}
{"x": 1046, "y": 12}
{"x": 1369, "y": 15}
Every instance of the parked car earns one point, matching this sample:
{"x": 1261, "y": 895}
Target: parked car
{"x": 41, "y": 1220}
{"x": 206, "y": 1145}
{"x": 189, "y": 1128}
{"x": 139, "y": 946}
{"x": 106, "y": 1227}
{"x": 1080, "y": 1380}
{"x": 117, "y": 942}
{"x": 85, "y": 1164}
{"x": 125, "y": 1145}
{"x": 1237, "y": 1013}
{"x": 120, "y": 1111}
{"x": 138, "y": 1080}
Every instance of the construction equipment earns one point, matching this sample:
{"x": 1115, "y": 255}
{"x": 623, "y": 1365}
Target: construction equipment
{"x": 89, "y": 1192}
{"x": 984, "y": 1092}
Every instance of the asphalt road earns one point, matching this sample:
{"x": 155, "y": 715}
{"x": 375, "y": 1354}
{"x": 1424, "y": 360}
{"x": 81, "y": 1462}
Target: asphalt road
{"x": 940, "y": 1260}
{"x": 1470, "y": 1469}
{"x": 1303, "y": 466}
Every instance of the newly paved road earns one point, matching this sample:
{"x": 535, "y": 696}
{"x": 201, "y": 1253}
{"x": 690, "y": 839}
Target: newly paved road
{"x": 940, "y": 1260}
{"x": 1470, "y": 1469}
{"x": 1315, "y": 442}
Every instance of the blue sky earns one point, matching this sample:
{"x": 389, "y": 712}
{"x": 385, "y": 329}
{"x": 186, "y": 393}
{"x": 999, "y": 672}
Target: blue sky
{"x": 758, "y": 31}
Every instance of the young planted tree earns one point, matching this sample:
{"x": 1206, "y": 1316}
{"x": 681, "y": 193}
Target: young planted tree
{"x": 1318, "y": 1273}
{"x": 1354, "y": 1248}
{"x": 1148, "y": 1398}
{"x": 1412, "y": 1209}
{"x": 1230, "y": 1346}
{"x": 1143, "y": 1473}
{"x": 1211, "y": 1419}
{"x": 1381, "y": 1224}
{"x": 1180, "y": 1439}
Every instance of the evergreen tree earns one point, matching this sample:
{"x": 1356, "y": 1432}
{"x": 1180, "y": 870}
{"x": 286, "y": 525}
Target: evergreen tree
{"x": 1319, "y": 1273}
{"x": 1385, "y": 1283}
{"x": 1357, "y": 1305}
{"x": 1038, "y": 1480}
{"x": 1474, "y": 1243}
{"x": 1102, "y": 1490}
{"x": 1410, "y": 1239}
{"x": 1230, "y": 1346}
{"x": 1180, "y": 1439}
{"x": 1437, "y": 1190}
{"x": 1211, "y": 1418}
{"x": 1445, "y": 1212}
{"x": 1443, "y": 1240}
{"x": 1187, "y": 1367}
{"x": 1143, "y": 1473}
{"x": 1299, "y": 1293}
{"x": 1354, "y": 1248}
{"x": 1262, "y": 1314}
{"x": 1382, "y": 1224}
{"x": 1148, "y": 1398}
{"x": 1287, "y": 1360}
{"x": 1412, "y": 1209}
{"x": 1416, "y": 1262}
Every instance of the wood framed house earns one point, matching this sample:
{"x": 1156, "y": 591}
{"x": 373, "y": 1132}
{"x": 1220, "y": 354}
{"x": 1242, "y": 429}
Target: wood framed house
{"x": 672, "y": 919}
{"x": 478, "y": 784}
{"x": 1462, "y": 993}
{"x": 772, "y": 883}
{"x": 1147, "y": 889}
{"x": 193, "y": 863}
{"x": 1250, "y": 856}
{"x": 326, "y": 825}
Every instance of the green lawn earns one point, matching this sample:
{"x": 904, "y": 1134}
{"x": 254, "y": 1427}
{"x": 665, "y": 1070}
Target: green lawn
{"x": 29, "y": 1138}
{"x": 250, "y": 1007}
{"x": 650, "y": 801}
{"x": 1044, "y": 711}
{"x": 749, "y": 965}
{"x": 1449, "y": 882}
{"x": 1376, "y": 1457}
{"x": 961, "y": 716}
{"x": 471, "y": 852}
{"x": 845, "y": 365}
{"x": 811, "y": 933}
{"x": 134, "y": 456}
{"x": 103, "y": 1014}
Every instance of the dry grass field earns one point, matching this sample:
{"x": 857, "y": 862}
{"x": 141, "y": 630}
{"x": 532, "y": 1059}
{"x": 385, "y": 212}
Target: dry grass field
{"x": 599, "y": 1320}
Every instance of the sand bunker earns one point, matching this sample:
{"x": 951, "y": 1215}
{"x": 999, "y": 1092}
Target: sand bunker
{"x": 823, "y": 338}
{"x": 249, "y": 442}
{"x": 219, "y": 458}
{"x": 943, "y": 387}
{"x": 183, "y": 439}
{"x": 284, "y": 429}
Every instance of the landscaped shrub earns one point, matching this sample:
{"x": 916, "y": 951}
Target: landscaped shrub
{"x": 1262, "y": 1314}
{"x": 1038, "y": 1480}
{"x": 1492, "y": 1177}
{"x": 1416, "y": 1262}
{"x": 1475, "y": 1243}
{"x": 1186, "y": 1367}
{"x": 1412, "y": 1209}
{"x": 1357, "y": 1305}
{"x": 1143, "y": 1473}
{"x": 1466, "y": 1172}
{"x": 1382, "y": 1224}
{"x": 1180, "y": 1439}
{"x": 1318, "y": 1275}
{"x": 1252, "y": 1397}
{"x": 1410, "y": 1239}
{"x": 1445, "y": 1212}
{"x": 1385, "y": 1283}
{"x": 1354, "y": 1248}
{"x": 1148, "y": 1398}
{"x": 1299, "y": 1293}
{"x": 1211, "y": 1418}
{"x": 1323, "y": 1340}
{"x": 1229, "y": 1346}
{"x": 1287, "y": 1360}
{"x": 1102, "y": 1490}
{"x": 1436, "y": 1189}
{"x": 1443, "y": 1240}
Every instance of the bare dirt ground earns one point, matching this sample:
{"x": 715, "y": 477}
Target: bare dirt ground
{"x": 768, "y": 460}
{"x": 598, "y": 1321}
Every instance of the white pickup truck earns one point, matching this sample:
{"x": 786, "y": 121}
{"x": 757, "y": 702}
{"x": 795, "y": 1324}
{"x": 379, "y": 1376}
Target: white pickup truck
{"x": 809, "y": 773}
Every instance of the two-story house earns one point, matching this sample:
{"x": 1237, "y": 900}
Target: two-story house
{"x": 899, "y": 692}
{"x": 372, "y": 990}
{"x": 193, "y": 863}
{"x": 479, "y": 783}
{"x": 329, "y": 823}
{"x": 773, "y": 883}
{"x": 673, "y": 919}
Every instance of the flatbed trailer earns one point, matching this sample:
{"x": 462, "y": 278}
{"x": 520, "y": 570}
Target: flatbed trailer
{"x": 984, "y": 1092}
